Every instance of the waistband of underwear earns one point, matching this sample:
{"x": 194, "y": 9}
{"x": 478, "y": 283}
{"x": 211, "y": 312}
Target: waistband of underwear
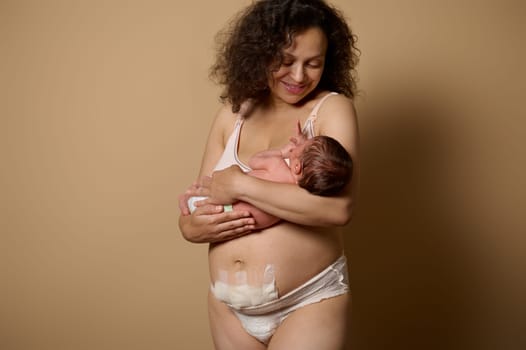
{"x": 335, "y": 275}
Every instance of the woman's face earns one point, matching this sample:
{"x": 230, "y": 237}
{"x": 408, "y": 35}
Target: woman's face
{"x": 302, "y": 67}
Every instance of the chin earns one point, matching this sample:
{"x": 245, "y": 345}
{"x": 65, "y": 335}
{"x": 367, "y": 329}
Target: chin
{"x": 293, "y": 98}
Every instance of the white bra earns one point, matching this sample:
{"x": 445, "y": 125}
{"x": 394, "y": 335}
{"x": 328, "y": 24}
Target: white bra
{"x": 230, "y": 156}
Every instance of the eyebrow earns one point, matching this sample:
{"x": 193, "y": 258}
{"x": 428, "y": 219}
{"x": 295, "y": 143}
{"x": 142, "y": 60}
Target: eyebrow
{"x": 288, "y": 55}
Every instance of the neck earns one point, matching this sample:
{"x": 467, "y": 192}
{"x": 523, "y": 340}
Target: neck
{"x": 277, "y": 105}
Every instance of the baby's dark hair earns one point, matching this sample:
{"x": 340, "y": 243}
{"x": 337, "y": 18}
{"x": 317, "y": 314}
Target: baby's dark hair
{"x": 327, "y": 167}
{"x": 251, "y": 47}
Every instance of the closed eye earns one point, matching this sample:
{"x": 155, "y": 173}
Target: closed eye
{"x": 314, "y": 64}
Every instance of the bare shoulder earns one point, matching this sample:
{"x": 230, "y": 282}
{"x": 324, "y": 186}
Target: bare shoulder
{"x": 222, "y": 126}
{"x": 224, "y": 121}
{"x": 335, "y": 107}
{"x": 225, "y": 116}
{"x": 337, "y": 118}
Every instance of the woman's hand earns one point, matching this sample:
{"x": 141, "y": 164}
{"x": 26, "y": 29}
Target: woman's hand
{"x": 222, "y": 186}
{"x": 209, "y": 224}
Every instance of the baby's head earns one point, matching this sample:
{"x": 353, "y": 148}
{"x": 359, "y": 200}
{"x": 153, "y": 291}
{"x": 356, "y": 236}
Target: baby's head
{"x": 323, "y": 166}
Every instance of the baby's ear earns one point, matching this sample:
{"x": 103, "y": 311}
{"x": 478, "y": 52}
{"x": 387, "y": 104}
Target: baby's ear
{"x": 297, "y": 168}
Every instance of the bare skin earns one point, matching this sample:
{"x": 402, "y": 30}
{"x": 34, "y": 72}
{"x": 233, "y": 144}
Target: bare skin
{"x": 314, "y": 234}
{"x": 326, "y": 319}
{"x": 226, "y": 330}
{"x": 269, "y": 165}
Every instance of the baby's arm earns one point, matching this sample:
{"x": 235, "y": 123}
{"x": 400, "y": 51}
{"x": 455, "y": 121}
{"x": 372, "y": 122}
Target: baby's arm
{"x": 269, "y": 158}
{"x": 266, "y": 160}
{"x": 268, "y": 165}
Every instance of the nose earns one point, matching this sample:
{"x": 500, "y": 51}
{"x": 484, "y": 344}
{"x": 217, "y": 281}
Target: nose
{"x": 297, "y": 72}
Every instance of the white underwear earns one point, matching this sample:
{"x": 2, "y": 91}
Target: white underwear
{"x": 262, "y": 320}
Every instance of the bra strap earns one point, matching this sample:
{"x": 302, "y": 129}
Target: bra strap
{"x": 316, "y": 108}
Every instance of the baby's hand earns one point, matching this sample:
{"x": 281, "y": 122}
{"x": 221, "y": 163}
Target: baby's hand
{"x": 285, "y": 151}
{"x": 298, "y": 137}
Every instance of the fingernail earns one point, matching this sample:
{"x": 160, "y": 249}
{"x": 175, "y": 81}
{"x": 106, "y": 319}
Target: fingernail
{"x": 219, "y": 208}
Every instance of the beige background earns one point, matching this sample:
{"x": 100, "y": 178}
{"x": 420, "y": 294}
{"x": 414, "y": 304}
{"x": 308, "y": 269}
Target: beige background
{"x": 105, "y": 107}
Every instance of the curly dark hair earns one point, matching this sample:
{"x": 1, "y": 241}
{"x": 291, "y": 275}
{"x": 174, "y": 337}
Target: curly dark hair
{"x": 249, "y": 47}
{"x": 326, "y": 166}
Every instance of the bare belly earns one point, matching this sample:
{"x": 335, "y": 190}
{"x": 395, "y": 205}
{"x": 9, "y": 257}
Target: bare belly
{"x": 297, "y": 253}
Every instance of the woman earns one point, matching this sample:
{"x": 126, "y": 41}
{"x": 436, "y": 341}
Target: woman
{"x": 284, "y": 287}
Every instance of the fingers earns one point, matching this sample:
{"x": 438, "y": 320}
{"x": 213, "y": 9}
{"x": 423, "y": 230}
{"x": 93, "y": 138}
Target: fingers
{"x": 235, "y": 233}
{"x": 209, "y": 206}
{"x": 217, "y": 225}
{"x": 234, "y": 228}
{"x": 226, "y": 220}
{"x": 298, "y": 128}
{"x": 183, "y": 205}
{"x": 192, "y": 191}
{"x": 205, "y": 208}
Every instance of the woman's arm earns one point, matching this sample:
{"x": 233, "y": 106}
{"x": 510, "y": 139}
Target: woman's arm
{"x": 337, "y": 119}
{"x": 286, "y": 201}
{"x": 208, "y": 223}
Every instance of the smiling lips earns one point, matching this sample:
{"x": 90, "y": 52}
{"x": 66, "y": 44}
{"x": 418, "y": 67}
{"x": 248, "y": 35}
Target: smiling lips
{"x": 294, "y": 89}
